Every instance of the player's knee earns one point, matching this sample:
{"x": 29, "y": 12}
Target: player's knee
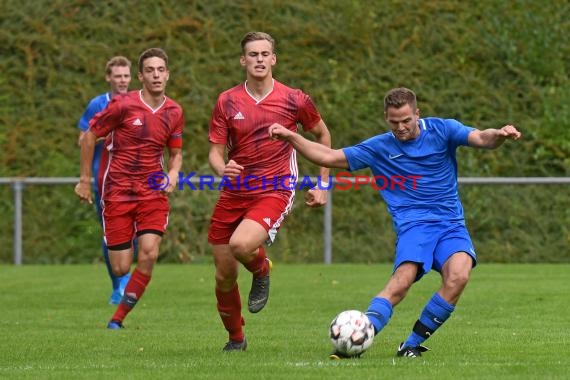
{"x": 120, "y": 270}
{"x": 457, "y": 280}
{"x": 239, "y": 248}
{"x": 148, "y": 256}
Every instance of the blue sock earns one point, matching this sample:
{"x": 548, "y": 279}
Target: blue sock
{"x": 135, "y": 248}
{"x": 379, "y": 312}
{"x": 114, "y": 279}
{"x": 435, "y": 313}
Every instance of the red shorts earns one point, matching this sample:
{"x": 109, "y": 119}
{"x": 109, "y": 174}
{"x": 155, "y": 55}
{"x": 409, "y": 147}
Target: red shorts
{"x": 122, "y": 220}
{"x": 268, "y": 210}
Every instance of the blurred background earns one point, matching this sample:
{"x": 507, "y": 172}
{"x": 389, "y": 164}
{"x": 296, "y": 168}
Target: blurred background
{"x": 485, "y": 63}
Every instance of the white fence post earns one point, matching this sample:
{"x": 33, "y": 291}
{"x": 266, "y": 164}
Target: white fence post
{"x": 327, "y": 230}
{"x": 17, "y": 187}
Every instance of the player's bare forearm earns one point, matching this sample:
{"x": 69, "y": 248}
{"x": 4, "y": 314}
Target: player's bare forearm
{"x": 216, "y": 158}
{"x": 83, "y": 188}
{"x": 317, "y": 197}
{"x": 312, "y": 151}
{"x": 174, "y": 166}
{"x": 493, "y": 138}
{"x": 323, "y": 137}
{"x": 87, "y": 144}
{"x": 174, "y": 161}
{"x": 231, "y": 169}
{"x": 79, "y": 138}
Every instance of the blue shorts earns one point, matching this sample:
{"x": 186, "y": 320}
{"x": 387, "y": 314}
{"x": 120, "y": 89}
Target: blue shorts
{"x": 431, "y": 244}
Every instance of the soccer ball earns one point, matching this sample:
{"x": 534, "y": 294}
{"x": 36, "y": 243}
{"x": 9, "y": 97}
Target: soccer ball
{"x": 351, "y": 333}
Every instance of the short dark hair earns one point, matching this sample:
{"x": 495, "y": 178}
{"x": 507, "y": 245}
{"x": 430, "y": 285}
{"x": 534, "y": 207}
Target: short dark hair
{"x": 118, "y": 60}
{"x": 399, "y": 97}
{"x": 152, "y": 52}
{"x": 257, "y": 36}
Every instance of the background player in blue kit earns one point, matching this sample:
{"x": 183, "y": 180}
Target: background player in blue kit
{"x": 118, "y": 75}
{"x": 427, "y": 214}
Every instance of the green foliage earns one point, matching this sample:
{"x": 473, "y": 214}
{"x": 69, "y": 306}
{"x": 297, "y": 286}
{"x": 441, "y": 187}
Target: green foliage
{"x": 524, "y": 223}
{"x": 486, "y": 64}
{"x": 53, "y": 326}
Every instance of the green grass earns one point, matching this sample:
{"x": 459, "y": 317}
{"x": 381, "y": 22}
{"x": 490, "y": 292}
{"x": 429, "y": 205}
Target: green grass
{"x": 512, "y": 323}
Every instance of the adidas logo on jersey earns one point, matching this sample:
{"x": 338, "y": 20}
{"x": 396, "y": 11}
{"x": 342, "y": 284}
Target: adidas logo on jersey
{"x": 239, "y": 116}
{"x": 268, "y": 221}
{"x": 137, "y": 122}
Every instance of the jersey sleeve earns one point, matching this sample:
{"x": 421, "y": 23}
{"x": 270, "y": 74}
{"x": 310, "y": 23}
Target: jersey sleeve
{"x": 457, "y": 133}
{"x": 92, "y": 108}
{"x": 175, "y": 140}
{"x": 107, "y": 120}
{"x": 308, "y": 115}
{"x": 218, "y": 129}
{"x": 361, "y": 155}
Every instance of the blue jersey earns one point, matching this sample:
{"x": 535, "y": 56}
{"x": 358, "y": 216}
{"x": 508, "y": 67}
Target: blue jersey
{"x": 96, "y": 105}
{"x": 417, "y": 178}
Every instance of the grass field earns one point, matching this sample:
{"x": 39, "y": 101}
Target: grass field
{"x": 512, "y": 323}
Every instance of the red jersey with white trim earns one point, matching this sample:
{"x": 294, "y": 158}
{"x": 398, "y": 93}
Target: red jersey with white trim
{"x": 241, "y": 123}
{"x": 136, "y": 138}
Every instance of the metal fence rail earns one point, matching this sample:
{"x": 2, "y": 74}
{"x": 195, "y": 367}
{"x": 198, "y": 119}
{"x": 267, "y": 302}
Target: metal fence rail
{"x": 19, "y": 183}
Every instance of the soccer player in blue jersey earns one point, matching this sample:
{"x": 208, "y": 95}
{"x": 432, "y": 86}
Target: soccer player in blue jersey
{"x": 424, "y": 204}
{"x": 118, "y": 75}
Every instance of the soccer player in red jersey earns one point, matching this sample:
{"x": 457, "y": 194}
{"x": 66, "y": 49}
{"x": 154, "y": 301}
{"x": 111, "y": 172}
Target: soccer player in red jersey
{"x": 257, "y": 193}
{"x": 139, "y": 125}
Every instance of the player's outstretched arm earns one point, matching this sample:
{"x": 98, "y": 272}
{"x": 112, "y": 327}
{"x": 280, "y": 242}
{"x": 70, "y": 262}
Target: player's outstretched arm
{"x": 83, "y": 188}
{"x": 493, "y": 138}
{"x": 312, "y": 151}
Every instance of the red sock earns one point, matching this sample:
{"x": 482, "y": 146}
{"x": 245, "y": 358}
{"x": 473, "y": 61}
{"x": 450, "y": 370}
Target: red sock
{"x": 133, "y": 292}
{"x": 229, "y": 307}
{"x": 258, "y": 266}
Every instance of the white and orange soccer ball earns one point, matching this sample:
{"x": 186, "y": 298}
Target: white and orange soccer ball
{"x": 351, "y": 333}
